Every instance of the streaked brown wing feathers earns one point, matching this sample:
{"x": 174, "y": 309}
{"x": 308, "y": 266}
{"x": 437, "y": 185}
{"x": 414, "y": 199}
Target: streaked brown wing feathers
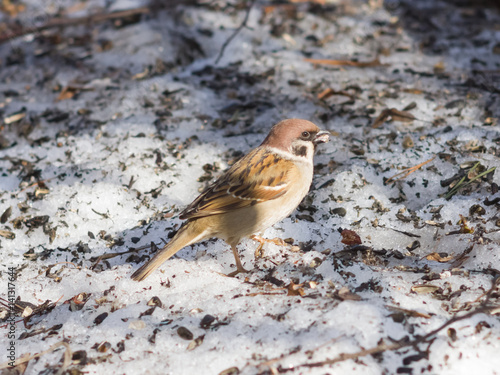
{"x": 243, "y": 186}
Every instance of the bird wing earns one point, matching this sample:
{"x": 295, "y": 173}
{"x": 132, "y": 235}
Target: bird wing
{"x": 258, "y": 177}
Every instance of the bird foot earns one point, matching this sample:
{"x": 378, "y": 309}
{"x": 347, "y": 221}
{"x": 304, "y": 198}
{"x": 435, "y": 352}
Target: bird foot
{"x": 238, "y": 271}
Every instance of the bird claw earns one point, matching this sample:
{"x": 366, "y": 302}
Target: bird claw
{"x": 238, "y": 271}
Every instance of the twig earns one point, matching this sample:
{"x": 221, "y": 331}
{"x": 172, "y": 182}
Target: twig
{"x": 271, "y": 361}
{"x": 112, "y": 255}
{"x": 483, "y": 308}
{"x": 384, "y": 347}
{"x": 63, "y": 22}
{"x": 357, "y": 64}
{"x": 243, "y": 24}
{"x": 408, "y": 171}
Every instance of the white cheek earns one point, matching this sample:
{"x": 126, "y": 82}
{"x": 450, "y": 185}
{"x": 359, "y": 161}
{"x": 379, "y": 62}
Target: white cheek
{"x": 298, "y": 143}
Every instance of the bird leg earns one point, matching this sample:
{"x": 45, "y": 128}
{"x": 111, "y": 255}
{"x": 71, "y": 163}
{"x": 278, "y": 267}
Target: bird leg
{"x": 261, "y": 240}
{"x": 239, "y": 266}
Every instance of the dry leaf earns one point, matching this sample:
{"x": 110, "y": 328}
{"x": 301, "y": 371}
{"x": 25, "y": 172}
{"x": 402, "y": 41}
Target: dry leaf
{"x": 384, "y": 115}
{"x": 7, "y": 234}
{"x": 66, "y": 93}
{"x": 350, "y": 237}
{"x": 402, "y": 116}
{"x": 424, "y": 288}
{"x": 346, "y": 295}
{"x": 196, "y": 342}
{"x": 439, "y": 67}
{"x": 295, "y": 289}
{"x": 438, "y": 258}
{"x": 394, "y": 115}
{"x": 326, "y": 93}
{"x": 412, "y": 313}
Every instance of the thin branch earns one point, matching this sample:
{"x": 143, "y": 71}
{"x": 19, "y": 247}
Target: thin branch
{"x": 356, "y": 64}
{"x": 243, "y": 24}
{"x": 12, "y": 33}
{"x": 384, "y": 347}
{"x": 408, "y": 171}
{"x": 396, "y": 346}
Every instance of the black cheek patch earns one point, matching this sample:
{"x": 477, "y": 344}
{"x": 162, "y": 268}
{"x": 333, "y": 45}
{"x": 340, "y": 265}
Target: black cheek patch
{"x": 300, "y": 150}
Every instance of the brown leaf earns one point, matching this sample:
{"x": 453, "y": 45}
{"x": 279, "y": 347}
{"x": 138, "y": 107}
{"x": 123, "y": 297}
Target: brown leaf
{"x": 425, "y": 288}
{"x": 326, "y": 93}
{"x": 350, "y": 237}
{"x": 402, "y": 116}
{"x": 7, "y": 234}
{"x": 438, "y": 258}
{"x": 394, "y": 114}
{"x": 412, "y": 313}
{"x": 295, "y": 289}
{"x": 66, "y": 93}
{"x": 384, "y": 115}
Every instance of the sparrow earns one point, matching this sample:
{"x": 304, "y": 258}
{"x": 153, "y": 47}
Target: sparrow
{"x": 259, "y": 190}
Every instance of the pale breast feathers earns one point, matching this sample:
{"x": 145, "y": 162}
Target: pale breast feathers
{"x": 258, "y": 177}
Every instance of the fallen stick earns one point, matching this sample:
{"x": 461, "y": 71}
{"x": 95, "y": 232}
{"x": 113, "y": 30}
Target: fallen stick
{"x": 15, "y": 31}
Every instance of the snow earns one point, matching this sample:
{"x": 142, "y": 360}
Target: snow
{"x": 152, "y": 111}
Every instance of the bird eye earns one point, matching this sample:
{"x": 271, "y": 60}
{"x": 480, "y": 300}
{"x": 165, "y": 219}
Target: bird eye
{"x": 305, "y": 134}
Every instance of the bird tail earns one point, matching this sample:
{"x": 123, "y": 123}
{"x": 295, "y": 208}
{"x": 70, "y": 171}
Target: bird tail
{"x": 187, "y": 235}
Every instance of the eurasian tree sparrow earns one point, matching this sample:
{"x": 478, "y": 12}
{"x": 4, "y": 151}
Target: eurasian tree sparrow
{"x": 259, "y": 190}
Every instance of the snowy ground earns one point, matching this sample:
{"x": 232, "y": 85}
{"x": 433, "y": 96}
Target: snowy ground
{"x": 110, "y": 129}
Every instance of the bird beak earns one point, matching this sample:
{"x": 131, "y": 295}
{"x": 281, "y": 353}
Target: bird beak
{"x": 322, "y": 137}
